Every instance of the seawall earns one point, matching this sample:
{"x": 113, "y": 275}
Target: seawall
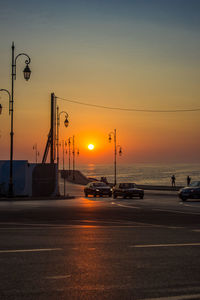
{"x": 77, "y": 177}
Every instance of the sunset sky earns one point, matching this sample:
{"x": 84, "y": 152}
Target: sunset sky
{"x": 142, "y": 54}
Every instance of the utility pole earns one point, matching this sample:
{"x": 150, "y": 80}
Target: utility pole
{"x": 69, "y": 146}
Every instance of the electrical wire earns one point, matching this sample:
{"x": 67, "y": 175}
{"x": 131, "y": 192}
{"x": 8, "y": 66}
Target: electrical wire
{"x": 130, "y": 109}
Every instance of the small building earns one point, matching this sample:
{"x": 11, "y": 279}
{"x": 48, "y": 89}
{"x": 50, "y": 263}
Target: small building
{"x": 29, "y": 179}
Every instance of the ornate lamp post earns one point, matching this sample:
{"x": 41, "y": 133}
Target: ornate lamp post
{"x": 66, "y": 123}
{"x": 27, "y": 73}
{"x": 69, "y": 153}
{"x": 115, "y": 152}
{"x": 36, "y": 152}
{"x": 74, "y": 152}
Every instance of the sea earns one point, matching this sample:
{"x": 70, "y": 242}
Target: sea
{"x": 143, "y": 173}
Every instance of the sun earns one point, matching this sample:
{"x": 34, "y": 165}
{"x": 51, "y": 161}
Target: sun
{"x": 90, "y": 146}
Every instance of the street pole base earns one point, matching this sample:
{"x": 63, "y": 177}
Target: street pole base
{"x": 10, "y": 190}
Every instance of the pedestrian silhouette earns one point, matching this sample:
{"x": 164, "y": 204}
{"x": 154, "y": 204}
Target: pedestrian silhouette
{"x": 188, "y": 180}
{"x": 173, "y": 179}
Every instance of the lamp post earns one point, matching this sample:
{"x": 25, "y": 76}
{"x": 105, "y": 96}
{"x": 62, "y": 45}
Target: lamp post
{"x": 74, "y": 154}
{"x": 66, "y": 123}
{"x": 64, "y": 149}
{"x": 27, "y": 73}
{"x": 114, "y": 133}
{"x": 36, "y": 152}
{"x": 69, "y": 153}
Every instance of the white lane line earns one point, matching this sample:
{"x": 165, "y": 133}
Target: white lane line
{"x": 181, "y": 297}
{"x": 191, "y": 205}
{"x": 196, "y": 230}
{"x": 128, "y": 206}
{"x": 59, "y": 277}
{"x": 164, "y": 245}
{"x": 175, "y": 227}
{"x": 30, "y": 250}
{"x": 176, "y": 211}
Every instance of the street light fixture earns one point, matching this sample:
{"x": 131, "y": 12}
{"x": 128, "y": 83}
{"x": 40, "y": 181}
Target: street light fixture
{"x": 66, "y": 123}
{"x": 115, "y": 152}
{"x": 27, "y": 73}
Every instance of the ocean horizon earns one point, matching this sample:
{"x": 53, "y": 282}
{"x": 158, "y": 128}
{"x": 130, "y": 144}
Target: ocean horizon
{"x": 143, "y": 173}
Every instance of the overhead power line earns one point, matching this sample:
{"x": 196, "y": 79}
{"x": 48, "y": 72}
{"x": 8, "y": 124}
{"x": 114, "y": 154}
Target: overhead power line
{"x": 130, "y": 109}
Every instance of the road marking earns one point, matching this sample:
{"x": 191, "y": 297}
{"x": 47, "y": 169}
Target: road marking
{"x": 175, "y": 227}
{"x": 176, "y": 211}
{"x": 191, "y": 205}
{"x": 196, "y": 230}
{"x": 181, "y": 297}
{"x": 164, "y": 245}
{"x": 30, "y": 250}
{"x": 128, "y": 206}
{"x": 59, "y": 277}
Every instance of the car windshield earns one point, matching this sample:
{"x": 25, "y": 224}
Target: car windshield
{"x": 127, "y": 185}
{"x": 97, "y": 184}
{"x": 195, "y": 184}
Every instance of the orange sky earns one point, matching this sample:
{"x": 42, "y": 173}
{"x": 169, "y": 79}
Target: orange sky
{"x": 132, "y": 56}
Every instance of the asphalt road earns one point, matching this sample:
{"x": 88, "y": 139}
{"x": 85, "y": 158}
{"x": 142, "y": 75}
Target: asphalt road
{"x": 98, "y": 248}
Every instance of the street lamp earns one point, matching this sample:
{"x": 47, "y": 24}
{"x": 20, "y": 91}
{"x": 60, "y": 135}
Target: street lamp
{"x": 64, "y": 149}
{"x": 74, "y": 152}
{"x": 115, "y": 152}
{"x": 69, "y": 152}
{"x": 36, "y": 152}
{"x": 27, "y": 73}
{"x": 66, "y": 123}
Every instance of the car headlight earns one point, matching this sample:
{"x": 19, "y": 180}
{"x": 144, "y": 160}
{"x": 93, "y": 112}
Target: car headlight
{"x": 97, "y": 190}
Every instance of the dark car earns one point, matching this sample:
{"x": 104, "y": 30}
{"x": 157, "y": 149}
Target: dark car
{"x": 127, "y": 190}
{"x": 190, "y": 192}
{"x": 97, "y": 188}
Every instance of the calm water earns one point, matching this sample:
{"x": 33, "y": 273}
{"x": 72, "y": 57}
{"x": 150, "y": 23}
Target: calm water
{"x": 158, "y": 174}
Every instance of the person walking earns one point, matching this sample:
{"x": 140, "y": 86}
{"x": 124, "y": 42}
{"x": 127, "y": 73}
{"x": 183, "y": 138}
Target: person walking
{"x": 188, "y": 180}
{"x": 173, "y": 179}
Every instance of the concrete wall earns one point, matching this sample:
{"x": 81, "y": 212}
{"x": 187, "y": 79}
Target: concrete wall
{"x": 44, "y": 180}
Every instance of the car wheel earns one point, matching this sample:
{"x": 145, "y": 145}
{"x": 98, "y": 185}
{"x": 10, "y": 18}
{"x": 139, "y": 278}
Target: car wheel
{"x": 109, "y": 195}
{"x": 94, "y": 195}
{"x": 114, "y": 196}
{"x": 142, "y": 196}
{"x": 86, "y": 195}
{"x": 183, "y": 199}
